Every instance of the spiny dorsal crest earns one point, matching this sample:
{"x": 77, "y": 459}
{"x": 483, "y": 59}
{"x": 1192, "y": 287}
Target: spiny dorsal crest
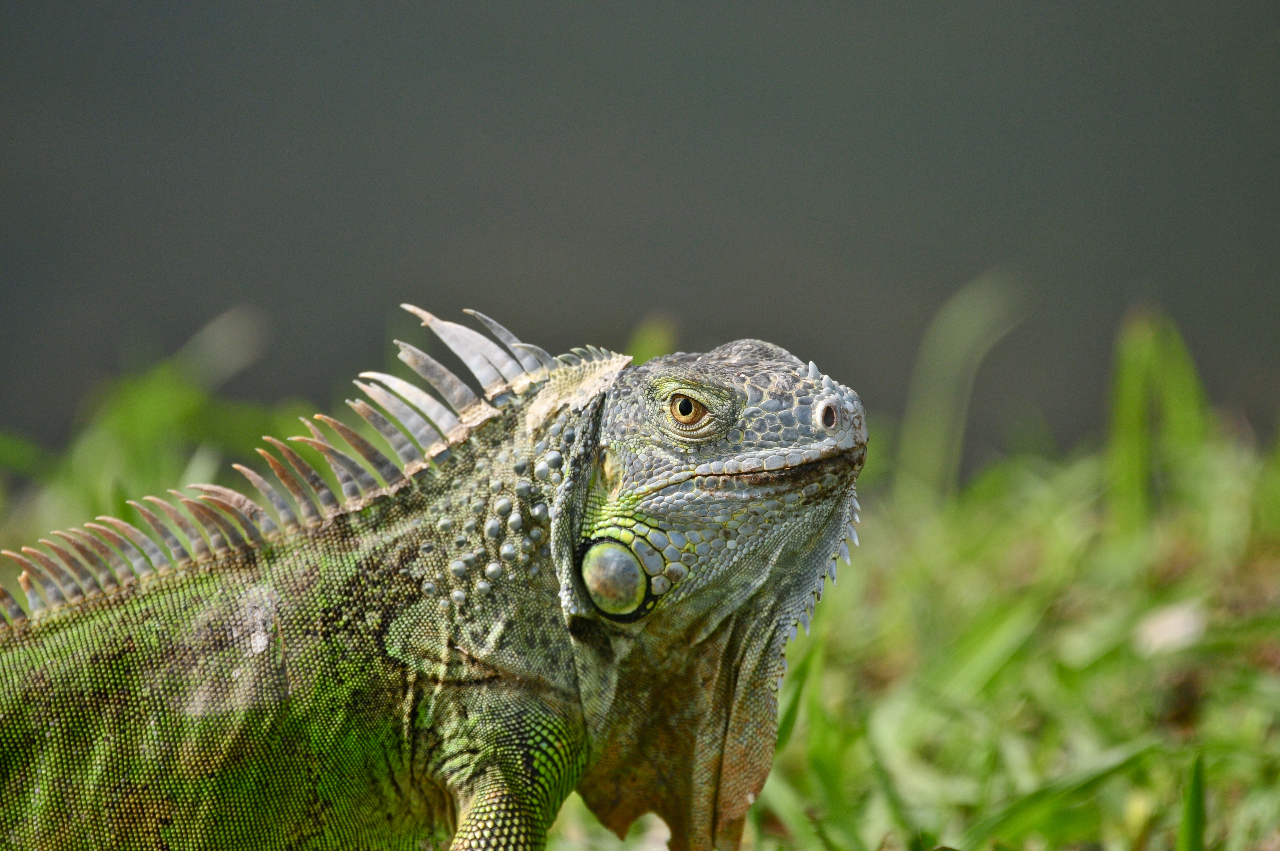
{"x": 109, "y": 556}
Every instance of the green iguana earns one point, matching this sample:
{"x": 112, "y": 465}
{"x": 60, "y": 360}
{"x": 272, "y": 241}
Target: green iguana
{"x": 584, "y": 580}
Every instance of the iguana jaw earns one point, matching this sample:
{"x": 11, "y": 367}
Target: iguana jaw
{"x": 681, "y": 707}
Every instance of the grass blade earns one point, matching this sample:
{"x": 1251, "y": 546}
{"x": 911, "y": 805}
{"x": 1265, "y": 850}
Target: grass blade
{"x": 1129, "y": 446}
{"x": 1191, "y": 830}
{"x": 972, "y": 321}
{"x": 791, "y": 709}
{"x": 1023, "y": 814}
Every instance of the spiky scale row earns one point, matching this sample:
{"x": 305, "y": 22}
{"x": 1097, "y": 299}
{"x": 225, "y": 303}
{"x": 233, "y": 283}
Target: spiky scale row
{"x": 405, "y": 450}
{"x": 199, "y": 549}
{"x": 458, "y": 395}
{"x": 433, "y": 445}
{"x": 13, "y": 613}
{"x": 445, "y": 420}
{"x": 842, "y": 554}
{"x": 180, "y": 554}
{"x": 311, "y": 515}
{"x": 420, "y": 429}
{"x": 278, "y": 502}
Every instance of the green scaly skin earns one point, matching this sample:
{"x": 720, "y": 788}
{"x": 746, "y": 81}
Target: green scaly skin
{"x": 428, "y": 666}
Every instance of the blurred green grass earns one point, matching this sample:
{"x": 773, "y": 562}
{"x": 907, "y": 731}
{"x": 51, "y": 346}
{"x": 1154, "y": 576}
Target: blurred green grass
{"x": 1072, "y": 652}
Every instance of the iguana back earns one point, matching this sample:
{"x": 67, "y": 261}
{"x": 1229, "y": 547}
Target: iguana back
{"x": 386, "y": 669}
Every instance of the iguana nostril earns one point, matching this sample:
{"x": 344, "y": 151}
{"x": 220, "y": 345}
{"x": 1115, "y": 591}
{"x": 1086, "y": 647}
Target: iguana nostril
{"x": 829, "y": 417}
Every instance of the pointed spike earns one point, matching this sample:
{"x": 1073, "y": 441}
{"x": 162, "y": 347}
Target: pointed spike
{"x": 528, "y": 361}
{"x": 856, "y": 507}
{"x": 486, "y": 361}
{"x": 831, "y": 571}
{"x": 251, "y": 530}
{"x": 141, "y": 567}
{"x": 344, "y": 474}
{"x": 328, "y": 502}
{"x": 283, "y": 511}
{"x": 587, "y": 357}
{"x": 254, "y": 515}
{"x": 52, "y": 592}
{"x": 569, "y": 360}
{"x": 401, "y": 445}
{"x": 223, "y": 537}
{"x": 854, "y": 538}
{"x": 350, "y": 470}
{"x": 12, "y": 611}
{"x": 98, "y": 566}
{"x": 459, "y": 396}
{"x": 83, "y": 575}
{"x": 310, "y": 513}
{"x": 390, "y": 473}
{"x": 508, "y": 367}
{"x": 844, "y": 552}
{"x": 200, "y": 552}
{"x": 119, "y": 566}
{"x": 404, "y": 415}
{"x": 61, "y": 577}
{"x": 445, "y": 421}
{"x": 141, "y": 541}
{"x": 596, "y": 353}
{"x": 176, "y": 551}
{"x": 542, "y": 355}
{"x": 804, "y": 622}
{"x": 469, "y": 355}
{"x": 355, "y": 480}
{"x": 35, "y": 603}
{"x": 813, "y": 371}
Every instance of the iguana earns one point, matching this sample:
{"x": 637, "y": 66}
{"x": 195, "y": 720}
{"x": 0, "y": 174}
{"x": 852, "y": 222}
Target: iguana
{"x": 584, "y": 577}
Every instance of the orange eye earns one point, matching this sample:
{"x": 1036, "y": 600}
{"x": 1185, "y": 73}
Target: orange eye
{"x": 687, "y": 411}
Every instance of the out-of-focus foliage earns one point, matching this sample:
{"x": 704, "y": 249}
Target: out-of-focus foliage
{"x": 932, "y": 432}
{"x": 654, "y": 336}
{"x": 1066, "y": 652}
{"x": 143, "y": 434}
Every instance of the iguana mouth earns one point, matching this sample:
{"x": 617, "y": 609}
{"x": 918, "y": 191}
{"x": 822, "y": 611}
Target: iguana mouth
{"x": 842, "y": 464}
{"x": 811, "y": 462}
{"x": 780, "y": 461}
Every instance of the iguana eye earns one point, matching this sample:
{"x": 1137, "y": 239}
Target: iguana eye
{"x": 686, "y": 410}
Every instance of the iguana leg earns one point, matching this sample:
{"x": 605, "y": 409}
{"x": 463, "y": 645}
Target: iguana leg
{"x": 533, "y": 756}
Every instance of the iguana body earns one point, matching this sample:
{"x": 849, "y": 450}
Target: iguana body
{"x": 586, "y": 580}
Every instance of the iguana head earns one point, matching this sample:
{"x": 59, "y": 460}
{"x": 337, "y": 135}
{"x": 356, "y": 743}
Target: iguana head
{"x": 719, "y": 472}
{"x": 714, "y": 502}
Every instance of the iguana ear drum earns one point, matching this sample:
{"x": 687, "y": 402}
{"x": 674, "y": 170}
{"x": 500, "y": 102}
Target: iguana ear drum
{"x": 614, "y": 578}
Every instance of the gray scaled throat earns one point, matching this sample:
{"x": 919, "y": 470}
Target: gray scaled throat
{"x": 432, "y": 621}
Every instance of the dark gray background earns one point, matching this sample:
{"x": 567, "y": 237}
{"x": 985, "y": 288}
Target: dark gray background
{"x": 822, "y": 176}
